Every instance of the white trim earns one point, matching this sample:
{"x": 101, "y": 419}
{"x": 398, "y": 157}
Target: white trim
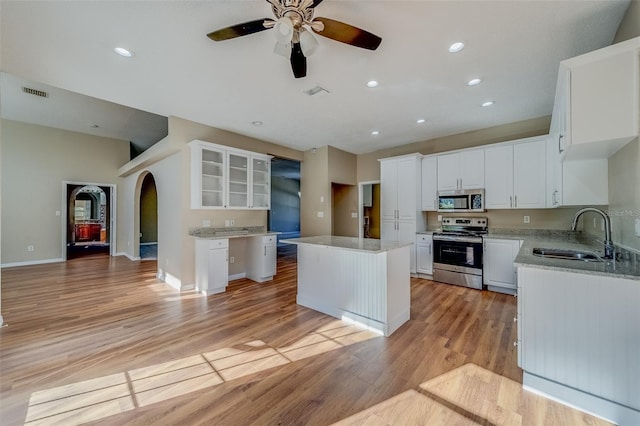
{"x": 148, "y": 244}
{"x": 237, "y": 276}
{"x": 128, "y": 256}
{"x": 360, "y": 207}
{"x": 31, "y": 262}
{"x": 113, "y": 208}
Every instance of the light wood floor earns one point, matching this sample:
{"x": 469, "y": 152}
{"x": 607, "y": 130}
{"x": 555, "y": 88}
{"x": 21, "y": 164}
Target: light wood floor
{"x": 101, "y": 341}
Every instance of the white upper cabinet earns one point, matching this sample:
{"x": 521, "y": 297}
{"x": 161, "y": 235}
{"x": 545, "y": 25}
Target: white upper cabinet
{"x": 515, "y": 175}
{"x": 223, "y": 177}
{"x": 597, "y": 101}
{"x": 429, "y": 183}
{"x": 461, "y": 170}
{"x": 208, "y": 165}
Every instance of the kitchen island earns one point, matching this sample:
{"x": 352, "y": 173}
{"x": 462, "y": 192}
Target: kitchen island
{"x": 360, "y": 280}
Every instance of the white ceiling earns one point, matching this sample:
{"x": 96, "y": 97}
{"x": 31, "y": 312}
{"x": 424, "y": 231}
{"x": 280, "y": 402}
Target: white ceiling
{"x": 515, "y": 46}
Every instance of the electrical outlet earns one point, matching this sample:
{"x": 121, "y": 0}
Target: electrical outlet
{"x": 320, "y": 214}
{"x": 354, "y": 215}
{"x": 57, "y": 212}
{"x": 439, "y": 218}
{"x": 206, "y": 223}
{"x": 322, "y": 198}
{"x": 232, "y": 259}
{"x": 229, "y": 222}
{"x": 527, "y": 219}
{"x": 30, "y": 248}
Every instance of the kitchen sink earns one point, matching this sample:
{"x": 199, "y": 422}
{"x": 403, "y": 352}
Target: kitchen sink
{"x": 584, "y": 256}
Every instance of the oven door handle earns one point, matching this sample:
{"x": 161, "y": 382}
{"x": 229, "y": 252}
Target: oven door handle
{"x": 474, "y": 240}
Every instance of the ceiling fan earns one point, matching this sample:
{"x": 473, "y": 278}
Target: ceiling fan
{"x": 293, "y": 20}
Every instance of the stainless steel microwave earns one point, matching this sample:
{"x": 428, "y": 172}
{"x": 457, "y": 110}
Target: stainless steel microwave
{"x": 461, "y": 200}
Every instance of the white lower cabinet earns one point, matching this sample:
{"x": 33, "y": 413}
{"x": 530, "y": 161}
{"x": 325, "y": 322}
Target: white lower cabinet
{"x": 261, "y": 258}
{"x": 424, "y": 254}
{"x": 578, "y": 340}
{"x": 499, "y": 274}
{"x": 212, "y": 267}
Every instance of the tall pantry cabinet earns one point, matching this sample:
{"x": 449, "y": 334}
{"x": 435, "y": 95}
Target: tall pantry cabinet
{"x": 400, "y": 200}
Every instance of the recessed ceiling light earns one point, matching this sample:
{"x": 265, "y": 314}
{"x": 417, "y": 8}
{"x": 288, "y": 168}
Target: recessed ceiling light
{"x": 456, "y": 47}
{"x": 372, "y": 83}
{"x": 474, "y": 82}
{"x": 487, "y": 104}
{"x": 420, "y": 120}
{"x": 123, "y": 52}
{"x": 257, "y": 123}
{"x": 375, "y": 133}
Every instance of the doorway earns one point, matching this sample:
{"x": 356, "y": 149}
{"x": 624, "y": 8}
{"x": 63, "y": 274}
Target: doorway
{"x": 284, "y": 215}
{"x": 369, "y": 209}
{"x": 89, "y": 218}
{"x": 148, "y": 219}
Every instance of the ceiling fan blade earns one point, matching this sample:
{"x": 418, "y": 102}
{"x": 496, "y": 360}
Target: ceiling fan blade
{"x": 348, "y": 34}
{"x": 315, "y": 3}
{"x": 238, "y": 30}
{"x": 298, "y": 61}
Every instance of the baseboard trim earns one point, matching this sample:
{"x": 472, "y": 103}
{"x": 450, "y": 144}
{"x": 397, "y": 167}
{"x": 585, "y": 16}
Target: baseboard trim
{"x": 128, "y": 256}
{"x": 31, "y": 262}
{"x": 237, "y": 276}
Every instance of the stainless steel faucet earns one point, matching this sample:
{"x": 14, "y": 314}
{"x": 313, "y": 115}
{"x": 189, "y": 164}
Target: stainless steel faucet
{"x": 608, "y": 244}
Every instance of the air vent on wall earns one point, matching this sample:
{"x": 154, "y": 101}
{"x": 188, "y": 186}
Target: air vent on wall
{"x": 35, "y": 92}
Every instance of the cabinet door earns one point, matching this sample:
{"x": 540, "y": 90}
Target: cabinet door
{"x": 498, "y": 262}
{"x": 471, "y": 168}
{"x": 406, "y": 189}
{"x": 388, "y": 189}
{"x": 554, "y": 171}
{"x": 424, "y": 254}
{"x": 238, "y": 180}
{"x": 448, "y": 172}
{"x": 429, "y": 184}
{"x": 207, "y": 177}
{"x": 407, "y": 234}
{"x": 499, "y": 177}
{"x": 389, "y": 230}
{"x": 529, "y": 175}
{"x": 218, "y": 269}
{"x": 260, "y": 185}
{"x": 270, "y": 259}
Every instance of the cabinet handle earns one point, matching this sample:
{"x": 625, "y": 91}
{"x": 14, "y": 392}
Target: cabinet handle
{"x": 510, "y": 200}
{"x": 515, "y": 344}
{"x": 429, "y": 248}
{"x": 560, "y": 150}
{"x": 515, "y": 201}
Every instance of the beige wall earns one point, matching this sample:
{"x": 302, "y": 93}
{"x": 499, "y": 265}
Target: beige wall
{"x": 630, "y": 25}
{"x": 35, "y": 162}
{"x": 315, "y": 190}
{"x": 344, "y": 202}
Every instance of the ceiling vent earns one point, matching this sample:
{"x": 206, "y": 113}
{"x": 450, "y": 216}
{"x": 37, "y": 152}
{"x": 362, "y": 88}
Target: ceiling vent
{"x": 35, "y": 92}
{"x": 316, "y": 90}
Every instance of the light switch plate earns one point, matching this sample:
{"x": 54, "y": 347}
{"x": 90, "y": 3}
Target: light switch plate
{"x": 527, "y": 219}
{"x": 320, "y": 214}
{"x": 354, "y": 215}
{"x": 206, "y": 223}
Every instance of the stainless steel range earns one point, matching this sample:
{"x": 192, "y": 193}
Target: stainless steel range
{"x": 457, "y": 257}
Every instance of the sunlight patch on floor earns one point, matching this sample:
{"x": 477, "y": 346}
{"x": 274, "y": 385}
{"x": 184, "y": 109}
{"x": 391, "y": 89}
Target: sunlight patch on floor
{"x": 96, "y": 399}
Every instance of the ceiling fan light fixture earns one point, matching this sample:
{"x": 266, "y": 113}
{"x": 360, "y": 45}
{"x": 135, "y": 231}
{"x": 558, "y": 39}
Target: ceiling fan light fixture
{"x": 284, "y": 30}
{"x": 308, "y": 43}
{"x": 123, "y": 52}
{"x": 282, "y": 49}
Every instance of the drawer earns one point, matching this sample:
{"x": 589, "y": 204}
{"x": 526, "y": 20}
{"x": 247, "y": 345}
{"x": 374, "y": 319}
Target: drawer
{"x": 217, "y": 244}
{"x": 269, "y": 239}
{"x": 424, "y": 238}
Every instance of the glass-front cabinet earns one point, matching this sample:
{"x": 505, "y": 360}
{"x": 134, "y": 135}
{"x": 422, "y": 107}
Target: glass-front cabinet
{"x": 261, "y": 187}
{"x": 238, "y": 181}
{"x": 223, "y": 177}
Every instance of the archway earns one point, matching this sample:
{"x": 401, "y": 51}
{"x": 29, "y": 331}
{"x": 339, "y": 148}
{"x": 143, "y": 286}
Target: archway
{"x": 148, "y": 219}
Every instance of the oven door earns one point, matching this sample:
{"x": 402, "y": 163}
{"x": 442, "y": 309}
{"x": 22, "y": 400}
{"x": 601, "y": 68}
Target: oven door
{"x": 457, "y": 251}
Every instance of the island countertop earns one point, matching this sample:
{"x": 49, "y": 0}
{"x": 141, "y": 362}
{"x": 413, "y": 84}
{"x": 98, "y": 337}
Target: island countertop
{"x": 369, "y": 245}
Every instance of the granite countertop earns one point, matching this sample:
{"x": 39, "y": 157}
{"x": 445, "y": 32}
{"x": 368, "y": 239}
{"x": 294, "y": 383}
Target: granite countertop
{"x": 229, "y": 232}
{"x": 626, "y": 265}
{"x": 368, "y": 245}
